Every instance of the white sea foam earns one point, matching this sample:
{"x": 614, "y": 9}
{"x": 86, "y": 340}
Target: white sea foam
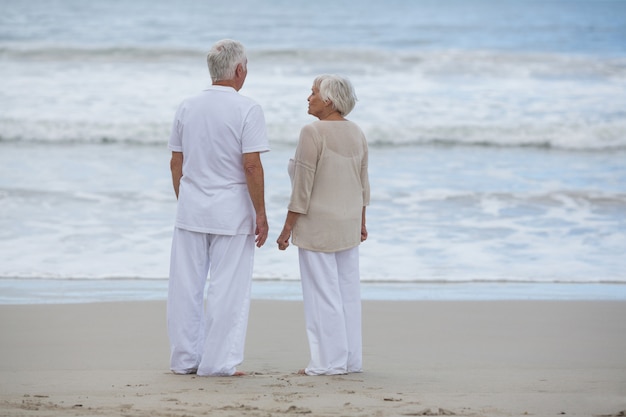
{"x": 437, "y": 214}
{"x": 496, "y": 99}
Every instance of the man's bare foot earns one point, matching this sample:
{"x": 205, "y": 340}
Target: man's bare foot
{"x": 301, "y": 372}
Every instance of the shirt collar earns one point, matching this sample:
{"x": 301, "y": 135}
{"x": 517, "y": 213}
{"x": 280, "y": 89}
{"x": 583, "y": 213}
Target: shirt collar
{"x": 220, "y": 88}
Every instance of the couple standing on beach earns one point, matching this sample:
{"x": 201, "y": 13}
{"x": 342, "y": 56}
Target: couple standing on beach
{"x": 216, "y": 141}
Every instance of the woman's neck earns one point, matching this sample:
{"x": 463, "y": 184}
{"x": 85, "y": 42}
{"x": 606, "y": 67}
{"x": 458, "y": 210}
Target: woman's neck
{"x": 334, "y": 116}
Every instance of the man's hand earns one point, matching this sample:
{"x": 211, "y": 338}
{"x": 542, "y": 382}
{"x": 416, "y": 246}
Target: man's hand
{"x": 262, "y": 229}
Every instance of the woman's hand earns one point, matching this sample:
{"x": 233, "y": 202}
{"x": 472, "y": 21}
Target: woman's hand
{"x": 283, "y": 239}
{"x": 363, "y": 227}
{"x": 290, "y": 221}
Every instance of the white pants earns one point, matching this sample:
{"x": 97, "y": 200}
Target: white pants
{"x": 208, "y": 339}
{"x": 332, "y": 309}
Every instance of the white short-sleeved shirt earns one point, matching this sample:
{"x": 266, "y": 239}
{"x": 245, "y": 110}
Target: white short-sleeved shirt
{"x": 213, "y": 130}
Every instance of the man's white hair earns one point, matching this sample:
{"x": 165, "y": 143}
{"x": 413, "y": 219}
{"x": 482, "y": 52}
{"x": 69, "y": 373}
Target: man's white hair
{"x": 223, "y": 59}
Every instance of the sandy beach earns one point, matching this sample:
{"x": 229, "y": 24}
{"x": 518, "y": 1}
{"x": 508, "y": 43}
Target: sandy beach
{"x": 467, "y": 358}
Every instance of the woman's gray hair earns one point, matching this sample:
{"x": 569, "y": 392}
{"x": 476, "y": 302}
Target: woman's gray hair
{"x": 223, "y": 59}
{"x": 338, "y": 90}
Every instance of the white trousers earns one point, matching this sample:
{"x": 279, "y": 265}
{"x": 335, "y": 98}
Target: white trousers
{"x": 332, "y": 309}
{"x": 208, "y": 338}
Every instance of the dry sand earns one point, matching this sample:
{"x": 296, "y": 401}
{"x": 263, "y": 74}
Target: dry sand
{"x": 494, "y": 358}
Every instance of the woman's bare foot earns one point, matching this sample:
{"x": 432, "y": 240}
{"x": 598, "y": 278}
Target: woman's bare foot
{"x": 301, "y": 372}
{"x": 239, "y": 373}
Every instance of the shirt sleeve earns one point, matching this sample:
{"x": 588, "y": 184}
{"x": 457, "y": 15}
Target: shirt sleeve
{"x": 305, "y": 165}
{"x": 254, "y": 135}
{"x": 175, "y": 143}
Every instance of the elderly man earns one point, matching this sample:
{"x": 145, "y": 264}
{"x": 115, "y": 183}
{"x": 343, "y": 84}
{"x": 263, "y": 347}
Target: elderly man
{"x": 216, "y": 141}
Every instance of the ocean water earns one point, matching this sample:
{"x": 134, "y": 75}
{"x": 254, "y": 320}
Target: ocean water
{"x": 497, "y": 133}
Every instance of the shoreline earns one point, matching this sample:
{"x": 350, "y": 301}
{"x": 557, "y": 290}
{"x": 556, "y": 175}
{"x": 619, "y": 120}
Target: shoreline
{"x": 24, "y": 291}
{"x": 472, "y": 358}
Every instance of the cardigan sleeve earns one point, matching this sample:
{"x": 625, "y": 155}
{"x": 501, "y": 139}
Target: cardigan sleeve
{"x": 305, "y": 166}
{"x": 365, "y": 183}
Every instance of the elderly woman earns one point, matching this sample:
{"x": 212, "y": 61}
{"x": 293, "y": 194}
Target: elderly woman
{"x": 326, "y": 220}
